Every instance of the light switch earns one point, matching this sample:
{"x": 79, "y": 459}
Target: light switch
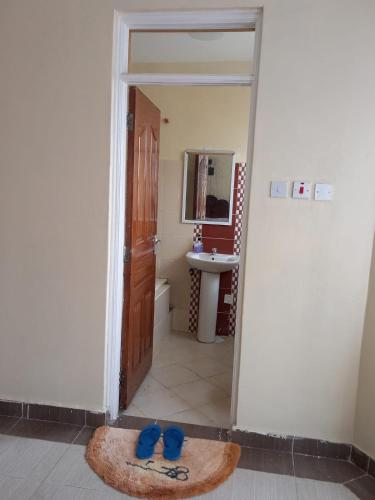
{"x": 301, "y": 190}
{"x": 228, "y": 298}
{"x": 279, "y": 189}
{"x": 323, "y": 192}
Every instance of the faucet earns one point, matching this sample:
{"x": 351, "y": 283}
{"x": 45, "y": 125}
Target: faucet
{"x": 214, "y": 252}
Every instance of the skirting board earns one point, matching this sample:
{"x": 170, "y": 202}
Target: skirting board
{"x": 52, "y": 413}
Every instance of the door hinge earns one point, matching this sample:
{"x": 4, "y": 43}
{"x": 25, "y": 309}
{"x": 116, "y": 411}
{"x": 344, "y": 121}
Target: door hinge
{"x": 122, "y": 378}
{"x": 126, "y": 255}
{"x": 130, "y": 121}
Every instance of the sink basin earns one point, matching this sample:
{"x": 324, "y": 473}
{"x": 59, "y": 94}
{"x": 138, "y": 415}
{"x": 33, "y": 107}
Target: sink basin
{"x": 211, "y": 266}
{"x": 217, "y": 263}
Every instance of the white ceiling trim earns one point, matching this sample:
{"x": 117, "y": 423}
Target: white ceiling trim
{"x": 204, "y": 19}
{"x": 186, "y": 79}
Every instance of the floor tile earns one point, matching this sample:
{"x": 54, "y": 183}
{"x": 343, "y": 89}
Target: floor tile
{"x": 51, "y": 431}
{"x": 172, "y": 375}
{"x": 223, "y": 380}
{"x": 160, "y": 404}
{"x": 150, "y": 384}
{"x": 84, "y": 436}
{"x": 73, "y": 470}
{"x": 58, "y": 492}
{"x": 363, "y": 488}
{"x": 6, "y": 423}
{"x": 132, "y": 422}
{"x": 223, "y": 492}
{"x": 133, "y": 410}
{"x": 274, "y": 462}
{"x": 196, "y": 431}
{"x": 206, "y": 367}
{"x": 325, "y": 469}
{"x": 8, "y": 485}
{"x": 19, "y": 457}
{"x": 218, "y": 411}
{"x": 308, "y": 489}
{"x": 190, "y": 416}
{"x": 251, "y": 485}
{"x": 199, "y": 392}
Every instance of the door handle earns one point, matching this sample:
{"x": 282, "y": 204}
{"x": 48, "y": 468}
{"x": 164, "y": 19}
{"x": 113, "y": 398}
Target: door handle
{"x": 156, "y": 240}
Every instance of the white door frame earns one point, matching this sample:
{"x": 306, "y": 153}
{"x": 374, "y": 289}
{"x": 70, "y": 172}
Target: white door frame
{"x": 121, "y": 80}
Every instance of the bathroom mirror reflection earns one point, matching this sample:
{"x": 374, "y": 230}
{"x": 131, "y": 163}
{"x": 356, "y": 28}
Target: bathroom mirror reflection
{"x": 208, "y": 187}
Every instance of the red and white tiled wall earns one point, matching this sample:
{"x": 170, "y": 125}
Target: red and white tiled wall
{"x": 226, "y": 239}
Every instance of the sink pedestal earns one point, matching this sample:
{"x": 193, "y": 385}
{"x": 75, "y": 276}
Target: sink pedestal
{"x": 208, "y": 300}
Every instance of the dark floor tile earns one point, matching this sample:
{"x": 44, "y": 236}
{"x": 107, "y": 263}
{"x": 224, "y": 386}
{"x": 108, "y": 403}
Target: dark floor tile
{"x": 6, "y": 423}
{"x": 371, "y": 467}
{"x": 197, "y": 431}
{"x": 84, "y": 436}
{"x": 94, "y": 419}
{"x": 130, "y": 422}
{"x": 325, "y": 469}
{"x": 50, "y": 431}
{"x": 363, "y": 487}
{"x": 360, "y": 459}
{"x": 10, "y": 409}
{"x": 264, "y": 442}
{"x": 275, "y": 462}
{"x": 317, "y": 448}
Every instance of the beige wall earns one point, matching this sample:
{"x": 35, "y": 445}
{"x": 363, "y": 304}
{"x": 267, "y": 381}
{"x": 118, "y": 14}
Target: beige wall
{"x": 199, "y": 117}
{"x": 307, "y": 264}
{"x": 55, "y": 86}
{"x": 364, "y": 436}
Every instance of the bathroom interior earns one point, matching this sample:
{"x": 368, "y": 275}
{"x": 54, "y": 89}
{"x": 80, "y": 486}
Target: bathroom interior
{"x": 191, "y": 380}
{"x": 201, "y": 184}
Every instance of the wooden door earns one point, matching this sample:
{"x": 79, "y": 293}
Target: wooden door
{"x": 140, "y": 237}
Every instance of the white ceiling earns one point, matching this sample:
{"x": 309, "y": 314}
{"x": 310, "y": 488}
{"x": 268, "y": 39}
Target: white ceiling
{"x": 191, "y": 47}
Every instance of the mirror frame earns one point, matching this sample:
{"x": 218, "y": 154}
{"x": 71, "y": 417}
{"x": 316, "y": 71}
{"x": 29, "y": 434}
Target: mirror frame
{"x": 208, "y": 152}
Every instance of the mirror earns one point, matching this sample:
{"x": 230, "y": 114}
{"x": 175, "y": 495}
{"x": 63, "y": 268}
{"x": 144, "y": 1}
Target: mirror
{"x": 208, "y": 187}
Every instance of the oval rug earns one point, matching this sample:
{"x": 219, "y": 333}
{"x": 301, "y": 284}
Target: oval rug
{"x": 204, "y": 465}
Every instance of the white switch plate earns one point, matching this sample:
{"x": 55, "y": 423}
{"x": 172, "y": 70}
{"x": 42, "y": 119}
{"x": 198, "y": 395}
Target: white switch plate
{"x": 228, "y": 298}
{"x": 279, "y": 189}
{"x": 323, "y": 192}
{"x": 301, "y": 190}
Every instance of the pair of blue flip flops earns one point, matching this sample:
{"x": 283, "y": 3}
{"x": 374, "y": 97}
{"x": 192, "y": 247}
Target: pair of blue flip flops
{"x": 173, "y": 438}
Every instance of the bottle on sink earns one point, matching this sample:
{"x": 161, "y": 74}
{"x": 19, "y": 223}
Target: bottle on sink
{"x": 198, "y": 245}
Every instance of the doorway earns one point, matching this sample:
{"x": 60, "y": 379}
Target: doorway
{"x": 189, "y": 378}
{"x": 201, "y": 79}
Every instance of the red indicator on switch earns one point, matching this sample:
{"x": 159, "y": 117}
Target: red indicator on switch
{"x": 301, "y": 189}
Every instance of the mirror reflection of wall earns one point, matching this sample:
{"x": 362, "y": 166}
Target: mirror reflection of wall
{"x": 208, "y": 179}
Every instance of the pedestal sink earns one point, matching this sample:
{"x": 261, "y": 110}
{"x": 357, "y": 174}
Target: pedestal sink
{"x": 211, "y": 265}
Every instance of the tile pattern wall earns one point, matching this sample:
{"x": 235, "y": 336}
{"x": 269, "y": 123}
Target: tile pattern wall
{"x": 240, "y": 183}
{"x": 194, "y": 287}
{"x": 226, "y": 239}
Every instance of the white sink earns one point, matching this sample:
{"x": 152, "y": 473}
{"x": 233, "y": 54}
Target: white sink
{"x": 212, "y": 263}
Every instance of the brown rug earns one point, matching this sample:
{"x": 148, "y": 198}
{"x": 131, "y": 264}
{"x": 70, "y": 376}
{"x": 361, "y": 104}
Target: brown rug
{"x": 204, "y": 465}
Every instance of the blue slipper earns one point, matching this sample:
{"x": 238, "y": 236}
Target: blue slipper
{"x": 173, "y": 438}
{"x": 147, "y": 440}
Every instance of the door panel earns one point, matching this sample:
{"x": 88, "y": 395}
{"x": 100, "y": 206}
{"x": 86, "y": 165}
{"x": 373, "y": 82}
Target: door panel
{"x": 140, "y": 232}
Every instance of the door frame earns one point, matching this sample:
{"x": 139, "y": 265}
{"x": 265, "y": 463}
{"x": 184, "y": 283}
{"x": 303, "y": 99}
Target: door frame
{"x": 121, "y": 80}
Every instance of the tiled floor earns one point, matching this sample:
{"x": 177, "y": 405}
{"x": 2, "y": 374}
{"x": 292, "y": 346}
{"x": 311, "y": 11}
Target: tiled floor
{"x": 189, "y": 382}
{"x": 54, "y": 468}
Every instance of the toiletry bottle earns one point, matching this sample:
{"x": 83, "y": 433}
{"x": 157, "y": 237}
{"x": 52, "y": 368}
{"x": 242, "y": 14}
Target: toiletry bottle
{"x": 198, "y": 246}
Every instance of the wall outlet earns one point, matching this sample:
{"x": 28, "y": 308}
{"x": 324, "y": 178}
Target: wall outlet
{"x": 228, "y": 298}
{"x": 301, "y": 190}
